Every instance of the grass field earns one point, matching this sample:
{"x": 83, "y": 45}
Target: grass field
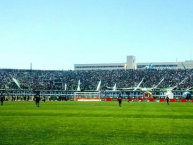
{"x": 22, "y": 123}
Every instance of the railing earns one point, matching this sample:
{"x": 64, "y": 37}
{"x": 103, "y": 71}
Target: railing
{"x": 103, "y": 94}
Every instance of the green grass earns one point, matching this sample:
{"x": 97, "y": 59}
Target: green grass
{"x": 22, "y": 123}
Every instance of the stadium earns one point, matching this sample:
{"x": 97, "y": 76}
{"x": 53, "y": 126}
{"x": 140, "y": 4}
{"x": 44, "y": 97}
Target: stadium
{"x": 105, "y": 72}
{"x": 102, "y": 81}
{"x": 80, "y": 106}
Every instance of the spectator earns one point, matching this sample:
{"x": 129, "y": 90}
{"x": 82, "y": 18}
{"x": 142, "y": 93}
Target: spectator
{"x": 55, "y": 80}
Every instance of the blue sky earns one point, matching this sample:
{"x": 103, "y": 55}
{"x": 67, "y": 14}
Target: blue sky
{"x": 56, "y": 34}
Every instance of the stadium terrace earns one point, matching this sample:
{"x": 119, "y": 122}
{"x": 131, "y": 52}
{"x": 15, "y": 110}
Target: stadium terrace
{"x": 56, "y": 80}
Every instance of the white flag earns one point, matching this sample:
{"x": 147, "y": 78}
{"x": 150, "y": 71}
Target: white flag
{"x": 65, "y": 87}
{"x": 78, "y": 88}
{"x": 99, "y": 85}
{"x": 114, "y": 88}
{"x": 16, "y": 82}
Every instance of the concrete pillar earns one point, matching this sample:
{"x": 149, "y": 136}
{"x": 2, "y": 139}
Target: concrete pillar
{"x": 131, "y": 62}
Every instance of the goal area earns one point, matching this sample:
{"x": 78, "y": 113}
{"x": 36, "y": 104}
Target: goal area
{"x": 87, "y": 96}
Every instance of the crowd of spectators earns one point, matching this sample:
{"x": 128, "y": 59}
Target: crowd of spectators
{"x": 56, "y": 80}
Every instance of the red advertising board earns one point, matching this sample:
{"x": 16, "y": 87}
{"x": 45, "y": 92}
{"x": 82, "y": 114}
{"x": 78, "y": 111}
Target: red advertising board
{"x": 108, "y": 99}
{"x": 183, "y": 100}
{"x": 150, "y": 99}
{"x": 162, "y": 100}
{"x": 172, "y": 100}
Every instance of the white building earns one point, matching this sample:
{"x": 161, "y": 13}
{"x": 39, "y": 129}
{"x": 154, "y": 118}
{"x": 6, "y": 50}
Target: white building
{"x": 131, "y": 64}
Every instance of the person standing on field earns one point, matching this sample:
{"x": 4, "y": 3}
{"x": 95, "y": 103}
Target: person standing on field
{"x": 37, "y": 99}
{"x": 2, "y": 98}
{"x": 120, "y": 100}
{"x": 128, "y": 98}
{"x": 167, "y": 99}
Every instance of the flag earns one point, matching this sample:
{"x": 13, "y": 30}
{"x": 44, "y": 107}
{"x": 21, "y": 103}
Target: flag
{"x": 16, "y": 82}
{"x": 138, "y": 85}
{"x": 99, "y": 85}
{"x": 114, "y": 88}
{"x": 78, "y": 88}
{"x": 158, "y": 84}
{"x": 65, "y": 87}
